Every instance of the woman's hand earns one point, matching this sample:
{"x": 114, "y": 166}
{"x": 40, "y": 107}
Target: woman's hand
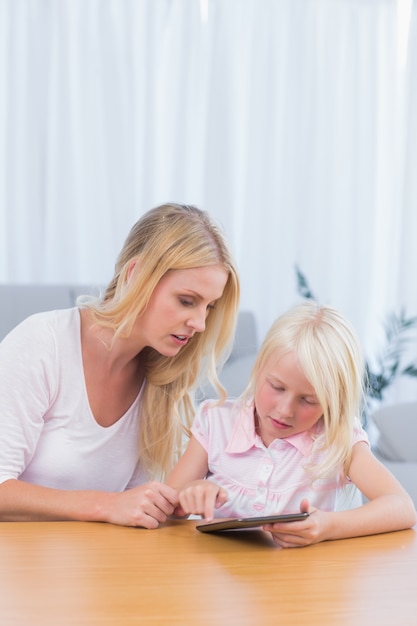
{"x": 201, "y": 497}
{"x": 147, "y": 505}
{"x": 298, "y": 534}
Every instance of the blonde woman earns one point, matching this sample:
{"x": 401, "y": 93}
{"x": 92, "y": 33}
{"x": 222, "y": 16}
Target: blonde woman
{"x": 95, "y": 400}
{"x": 293, "y": 442}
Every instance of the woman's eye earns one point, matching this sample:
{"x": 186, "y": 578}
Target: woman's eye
{"x": 185, "y": 302}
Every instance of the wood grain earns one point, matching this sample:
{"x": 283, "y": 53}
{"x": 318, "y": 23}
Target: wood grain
{"x": 61, "y": 573}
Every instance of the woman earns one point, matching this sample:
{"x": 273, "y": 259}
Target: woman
{"x": 94, "y": 400}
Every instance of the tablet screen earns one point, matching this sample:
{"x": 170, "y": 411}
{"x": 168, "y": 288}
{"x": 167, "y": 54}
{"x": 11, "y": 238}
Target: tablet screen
{"x": 248, "y": 522}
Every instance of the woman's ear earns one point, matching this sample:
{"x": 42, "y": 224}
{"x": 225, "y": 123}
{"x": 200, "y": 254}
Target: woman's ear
{"x": 130, "y": 269}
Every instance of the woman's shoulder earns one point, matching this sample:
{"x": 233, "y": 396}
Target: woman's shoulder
{"x": 41, "y": 327}
{"x": 55, "y": 317}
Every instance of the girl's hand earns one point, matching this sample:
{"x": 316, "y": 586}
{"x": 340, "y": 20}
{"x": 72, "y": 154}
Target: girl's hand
{"x": 201, "y": 497}
{"x": 298, "y": 534}
{"x": 147, "y": 505}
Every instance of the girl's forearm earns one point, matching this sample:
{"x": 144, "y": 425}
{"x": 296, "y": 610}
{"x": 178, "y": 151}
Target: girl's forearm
{"x": 383, "y": 514}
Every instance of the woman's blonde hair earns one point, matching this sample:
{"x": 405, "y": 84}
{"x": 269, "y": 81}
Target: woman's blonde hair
{"x": 330, "y": 355}
{"x": 170, "y": 237}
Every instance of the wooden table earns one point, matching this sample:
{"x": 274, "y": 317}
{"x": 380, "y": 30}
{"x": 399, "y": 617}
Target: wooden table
{"x": 59, "y": 573}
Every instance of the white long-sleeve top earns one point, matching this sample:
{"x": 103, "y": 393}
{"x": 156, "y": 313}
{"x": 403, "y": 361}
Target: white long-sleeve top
{"x": 48, "y": 434}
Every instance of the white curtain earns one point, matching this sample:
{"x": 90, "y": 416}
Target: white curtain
{"x": 292, "y": 121}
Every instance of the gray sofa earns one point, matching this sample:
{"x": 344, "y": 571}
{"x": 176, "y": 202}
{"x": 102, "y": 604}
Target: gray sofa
{"x": 396, "y": 442}
{"x": 236, "y": 371}
{"x": 19, "y": 301}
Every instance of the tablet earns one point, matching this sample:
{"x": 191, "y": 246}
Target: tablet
{"x": 248, "y": 522}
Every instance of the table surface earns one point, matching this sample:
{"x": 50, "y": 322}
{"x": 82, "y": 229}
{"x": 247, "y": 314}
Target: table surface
{"x": 88, "y": 573}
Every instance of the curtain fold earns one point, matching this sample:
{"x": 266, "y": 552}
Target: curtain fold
{"x": 292, "y": 121}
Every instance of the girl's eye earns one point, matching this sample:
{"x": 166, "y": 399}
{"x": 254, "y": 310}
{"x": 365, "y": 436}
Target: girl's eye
{"x": 310, "y": 401}
{"x": 185, "y": 302}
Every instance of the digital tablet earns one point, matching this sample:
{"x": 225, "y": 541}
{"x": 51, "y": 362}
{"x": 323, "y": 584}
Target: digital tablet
{"x": 248, "y": 522}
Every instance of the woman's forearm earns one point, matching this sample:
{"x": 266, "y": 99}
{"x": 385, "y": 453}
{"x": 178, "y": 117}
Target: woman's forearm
{"x": 20, "y": 501}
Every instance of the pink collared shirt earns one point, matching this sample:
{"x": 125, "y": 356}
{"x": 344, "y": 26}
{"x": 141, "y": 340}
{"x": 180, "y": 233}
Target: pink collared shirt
{"x": 262, "y": 480}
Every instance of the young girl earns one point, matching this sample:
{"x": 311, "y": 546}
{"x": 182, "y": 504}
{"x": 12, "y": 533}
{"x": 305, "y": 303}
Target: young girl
{"x": 292, "y": 441}
{"x": 94, "y": 399}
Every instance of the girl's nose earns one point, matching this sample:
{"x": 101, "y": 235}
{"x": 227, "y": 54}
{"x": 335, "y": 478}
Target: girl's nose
{"x": 286, "y": 406}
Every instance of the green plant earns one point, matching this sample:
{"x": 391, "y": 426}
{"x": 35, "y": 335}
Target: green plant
{"x": 389, "y": 362}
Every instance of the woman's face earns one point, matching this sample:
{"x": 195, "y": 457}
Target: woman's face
{"x": 285, "y": 401}
{"x": 179, "y": 306}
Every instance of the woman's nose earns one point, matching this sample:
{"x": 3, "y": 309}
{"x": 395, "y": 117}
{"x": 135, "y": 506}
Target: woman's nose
{"x": 198, "y": 321}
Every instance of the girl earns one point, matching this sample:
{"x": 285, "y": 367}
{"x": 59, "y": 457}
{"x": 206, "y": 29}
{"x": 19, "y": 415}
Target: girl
{"x": 94, "y": 399}
{"x": 292, "y": 441}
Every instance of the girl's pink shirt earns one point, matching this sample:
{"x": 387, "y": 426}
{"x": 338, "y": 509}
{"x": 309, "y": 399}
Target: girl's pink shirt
{"x": 264, "y": 480}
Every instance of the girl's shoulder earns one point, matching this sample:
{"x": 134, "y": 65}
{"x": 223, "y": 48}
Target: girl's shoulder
{"x": 218, "y": 420}
{"x": 359, "y": 433}
{"x": 213, "y": 408}
{"x": 213, "y": 415}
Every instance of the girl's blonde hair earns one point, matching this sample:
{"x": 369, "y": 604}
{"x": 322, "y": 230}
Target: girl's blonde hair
{"x": 330, "y": 354}
{"x": 170, "y": 237}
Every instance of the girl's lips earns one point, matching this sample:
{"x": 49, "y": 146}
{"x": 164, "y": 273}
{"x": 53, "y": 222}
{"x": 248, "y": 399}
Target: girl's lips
{"x": 278, "y": 424}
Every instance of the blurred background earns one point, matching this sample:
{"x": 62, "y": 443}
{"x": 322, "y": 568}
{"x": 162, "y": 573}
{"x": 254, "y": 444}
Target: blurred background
{"x": 293, "y": 122}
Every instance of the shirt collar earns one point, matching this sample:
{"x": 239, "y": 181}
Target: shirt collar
{"x": 244, "y": 436}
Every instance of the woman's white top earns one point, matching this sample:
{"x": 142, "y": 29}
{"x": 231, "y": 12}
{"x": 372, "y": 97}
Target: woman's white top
{"x": 48, "y": 434}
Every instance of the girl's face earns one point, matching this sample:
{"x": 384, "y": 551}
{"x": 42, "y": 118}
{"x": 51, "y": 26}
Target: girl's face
{"x": 178, "y": 308}
{"x": 285, "y": 401}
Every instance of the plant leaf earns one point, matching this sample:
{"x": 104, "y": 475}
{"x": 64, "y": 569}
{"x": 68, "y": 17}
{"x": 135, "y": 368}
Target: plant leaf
{"x": 302, "y": 285}
{"x": 389, "y": 362}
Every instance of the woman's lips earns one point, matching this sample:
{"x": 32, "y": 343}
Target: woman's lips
{"x": 180, "y": 339}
